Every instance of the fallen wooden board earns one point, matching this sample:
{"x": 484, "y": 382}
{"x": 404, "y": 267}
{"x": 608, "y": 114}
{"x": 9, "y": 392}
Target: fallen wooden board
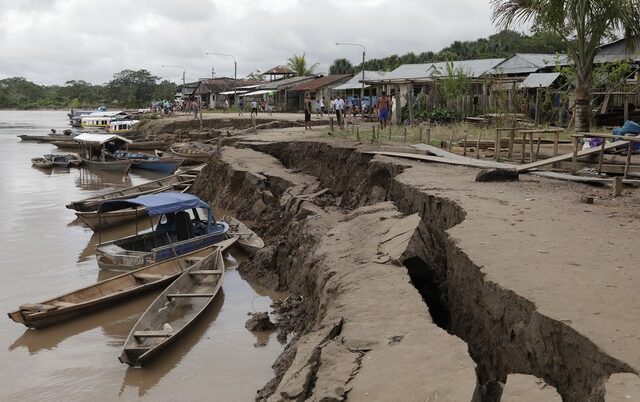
{"x": 446, "y": 154}
{"x": 581, "y": 179}
{"x": 559, "y": 158}
{"x": 458, "y": 161}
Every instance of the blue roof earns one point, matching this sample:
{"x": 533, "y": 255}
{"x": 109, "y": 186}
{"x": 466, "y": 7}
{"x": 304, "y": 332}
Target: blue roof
{"x": 156, "y": 204}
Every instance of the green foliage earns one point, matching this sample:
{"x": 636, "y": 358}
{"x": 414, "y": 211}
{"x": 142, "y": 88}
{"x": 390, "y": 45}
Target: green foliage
{"x": 341, "y": 66}
{"x": 256, "y": 76}
{"x": 452, "y": 82}
{"x": 502, "y": 44}
{"x": 127, "y": 89}
{"x": 299, "y": 65}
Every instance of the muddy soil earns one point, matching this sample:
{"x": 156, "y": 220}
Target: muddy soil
{"x": 416, "y": 272}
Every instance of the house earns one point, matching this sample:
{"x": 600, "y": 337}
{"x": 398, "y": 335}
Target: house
{"x": 278, "y": 91}
{"x": 317, "y": 88}
{"x": 279, "y": 73}
{"x": 523, "y": 64}
{"x": 213, "y": 92}
{"x": 618, "y": 51}
{"x": 355, "y": 84}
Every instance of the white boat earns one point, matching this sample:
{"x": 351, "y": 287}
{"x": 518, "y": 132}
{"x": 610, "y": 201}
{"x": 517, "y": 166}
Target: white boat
{"x": 100, "y": 119}
{"x": 121, "y": 126}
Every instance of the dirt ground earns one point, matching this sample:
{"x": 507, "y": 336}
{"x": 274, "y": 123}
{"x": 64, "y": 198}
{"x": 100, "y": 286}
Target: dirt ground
{"x": 529, "y": 279}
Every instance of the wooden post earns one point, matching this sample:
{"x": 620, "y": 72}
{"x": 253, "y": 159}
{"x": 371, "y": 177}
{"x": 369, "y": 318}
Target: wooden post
{"x": 556, "y": 140}
{"x": 373, "y": 134}
{"x": 616, "y": 189}
{"x": 524, "y": 146}
{"x": 628, "y": 163}
{"x": 464, "y": 144}
{"x": 626, "y": 109}
{"x": 358, "y": 133}
{"x": 410, "y": 103}
{"x": 531, "y": 146}
{"x": 404, "y": 139}
{"x": 420, "y": 138}
{"x": 331, "y": 122}
{"x": 538, "y": 105}
{"x": 428, "y": 136}
{"x": 574, "y": 158}
{"x": 478, "y": 146}
{"x": 450, "y": 143}
{"x": 512, "y": 135}
{"x": 498, "y": 141}
{"x": 253, "y": 122}
{"x": 601, "y": 156}
{"x": 538, "y": 148}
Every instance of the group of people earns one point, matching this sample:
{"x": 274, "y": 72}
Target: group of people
{"x": 343, "y": 107}
{"x": 265, "y": 105}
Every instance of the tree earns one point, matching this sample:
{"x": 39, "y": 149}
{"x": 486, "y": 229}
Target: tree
{"x": 341, "y": 66}
{"x": 256, "y": 76}
{"x": 132, "y": 88}
{"x": 582, "y": 26}
{"x": 299, "y": 65}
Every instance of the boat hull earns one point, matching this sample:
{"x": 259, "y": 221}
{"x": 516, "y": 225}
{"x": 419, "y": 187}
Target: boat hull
{"x": 109, "y": 292}
{"x": 166, "y": 165}
{"x": 41, "y": 163}
{"x": 97, "y": 221}
{"x": 121, "y": 166}
{"x": 192, "y": 292}
{"x": 248, "y": 240}
{"x": 111, "y": 257}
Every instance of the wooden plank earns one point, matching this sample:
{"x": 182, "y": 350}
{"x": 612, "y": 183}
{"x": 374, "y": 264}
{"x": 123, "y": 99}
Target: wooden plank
{"x": 62, "y": 304}
{"x": 580, "y": 179}
{"x": 545, "y": 162}
{"x": 37, "y": 307}
{"x": 206, "y": 272}
{"x": 450, "y": 155}
{"x": 178, "y": 295}
{"x": 148, "y": 277}
{"x": 152, "y": 334}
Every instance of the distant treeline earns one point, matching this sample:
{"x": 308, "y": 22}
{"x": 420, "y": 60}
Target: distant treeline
{"x": 501, "y": 45}
{"x": 127, "y": 89}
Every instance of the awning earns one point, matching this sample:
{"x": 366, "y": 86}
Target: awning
{"x": 348, "y": 85}
{"x": 261, "y": 92}
{"x": 99, "y": 139}
{"x": 232, "y": 92}
{"x": 539, "y": 80}
{"x": 156, "y": 204}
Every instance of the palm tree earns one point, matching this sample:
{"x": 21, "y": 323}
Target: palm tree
{"x": 582, "y": 25}
{"x": 299, "y": 65}
{"x": 341, "y": 66}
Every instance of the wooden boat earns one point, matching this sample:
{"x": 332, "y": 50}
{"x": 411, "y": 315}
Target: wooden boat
{"x": 96, "y": 221}
{"x": 175, "y": 309}
{"x": 46, "y": 138}
{"x": 134, "y": 146}
{"x": 108, "y": 292}
{"x": 41, "y": 163}
{"x": 121, "y": 166}
{"x": 66, "y": 160}
{"x": 249, "y": 241}
{"x": 191, "y": 155}
{"x": 180, "y": 230}
{"x": 150, "y": 162}
{"x": 175, "y": 182}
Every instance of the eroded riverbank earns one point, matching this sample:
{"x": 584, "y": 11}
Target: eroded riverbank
{"x": 501, "y": 271}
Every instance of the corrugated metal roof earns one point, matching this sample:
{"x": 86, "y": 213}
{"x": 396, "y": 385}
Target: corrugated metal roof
{"x": 524, "y": 63}
{"x": 475, "y": 69}
{"x": 285, "y": 83}
{"x": 320, "y": 82}
{"x": 537, "y": 80}
{"x": 98, "y": 139}
{"x": 279, "y": 70}
{"x": 355, "y": 82}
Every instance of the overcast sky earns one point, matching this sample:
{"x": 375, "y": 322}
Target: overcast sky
{"x": 53, "y": 41}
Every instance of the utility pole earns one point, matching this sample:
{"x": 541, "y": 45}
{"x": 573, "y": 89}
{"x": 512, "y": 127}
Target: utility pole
{"x": 364, "y": 51}
{"x": 184, "y": 71}
{"x": 235, "y": 73}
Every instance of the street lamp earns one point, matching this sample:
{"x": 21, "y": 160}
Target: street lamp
{"x": 364, "y": 51}
{"x": 235, "y": 73}
{"x": 184, "y": 71}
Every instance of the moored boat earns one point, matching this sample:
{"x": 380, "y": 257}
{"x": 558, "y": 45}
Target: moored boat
{"x": 65, "y": 160}
{"x": 248, "y": 240}
{"x": 134, "y": 146}
{"x": 121, "y": 126}
{"x": 41, "y": 163}
{"x": 174, "y": 310}
{"x": 180, "y": 230}
{"x": 110, "y": 291}
{"x": 149, "y": 162}
{"x": 173, "y": 182}
{"x": 99, "y": 150}
{"x": 191, "y": 155}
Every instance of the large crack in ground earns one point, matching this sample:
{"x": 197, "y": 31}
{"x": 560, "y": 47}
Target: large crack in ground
{"x": 504, "y": 332}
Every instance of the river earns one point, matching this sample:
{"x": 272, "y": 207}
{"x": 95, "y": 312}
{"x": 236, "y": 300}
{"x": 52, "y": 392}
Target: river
{"x": 46, "y": 252}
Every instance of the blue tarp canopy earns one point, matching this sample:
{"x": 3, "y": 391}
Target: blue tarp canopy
{"x": 156, "y": 204}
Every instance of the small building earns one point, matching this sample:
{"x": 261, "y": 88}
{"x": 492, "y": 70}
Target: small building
{"x": 355, "y": 84}
{"x": 278, "y": 92}
{"x": 523, "y": 64}
{"x": 279, "y": 73}
{"x": 212, "y": 92}
{"x": 317, "y": 88}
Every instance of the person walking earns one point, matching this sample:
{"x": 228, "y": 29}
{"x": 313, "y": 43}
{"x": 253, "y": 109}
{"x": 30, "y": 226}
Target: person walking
{"x": 384, "y": 107}
{"x": 254, "y": 107}
{"x": 323, "y": 107}
{"x": 240, "y": 106}
{"x": 340, "y": 111}
{"x": 307, "y": 113}
{"x": 270, "y": 106}
{"x": 317, "y": 102}
{"x": 225, "y": 106}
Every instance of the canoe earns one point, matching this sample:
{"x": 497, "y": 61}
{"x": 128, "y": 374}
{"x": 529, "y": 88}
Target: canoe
{"x": 45, "y": 138}
{"x": 174, "y": 310}
{"x": 135, "y": 146}
{"x": 178, "y": 182}
{"x": 166, "y": 165}
{"x": 41, "y": 163}
{"x": 121, "y": 166}
{"x": 67, "y": 160}
{"x": 110, "y": 291}
{"x": 191, "y": 156}
{"x": 248, "y": 240}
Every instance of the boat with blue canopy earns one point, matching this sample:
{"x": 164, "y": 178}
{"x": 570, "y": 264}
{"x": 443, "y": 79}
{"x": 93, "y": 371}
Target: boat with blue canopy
{"x": 186, "y": 224}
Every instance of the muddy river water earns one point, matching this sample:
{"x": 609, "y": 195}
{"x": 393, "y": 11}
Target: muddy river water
{"x": 45, "y": 252}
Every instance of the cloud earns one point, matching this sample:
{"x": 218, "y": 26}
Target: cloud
{"x": 52, "y": 41}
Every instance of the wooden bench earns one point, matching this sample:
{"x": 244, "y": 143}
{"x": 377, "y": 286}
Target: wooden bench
{"x": 152, "y": 334}
{"x": 211, "y": 272}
